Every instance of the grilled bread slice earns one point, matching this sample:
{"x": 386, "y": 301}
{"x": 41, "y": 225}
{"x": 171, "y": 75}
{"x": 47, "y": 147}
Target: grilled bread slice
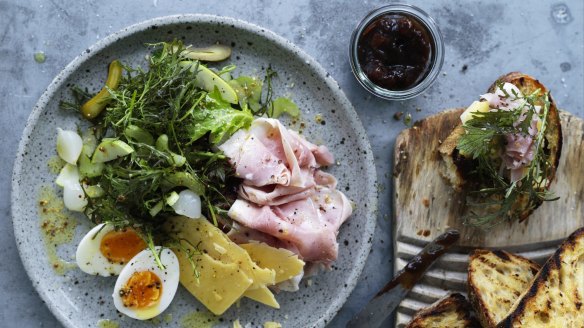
{"x": 451, "y": 311}
{"x": 496, "y": 279}
{"x": 556, "y": 296}
{"x": 458, "y": 169}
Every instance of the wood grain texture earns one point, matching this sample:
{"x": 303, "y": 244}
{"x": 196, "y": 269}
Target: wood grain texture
{"x": 425, "y": 205}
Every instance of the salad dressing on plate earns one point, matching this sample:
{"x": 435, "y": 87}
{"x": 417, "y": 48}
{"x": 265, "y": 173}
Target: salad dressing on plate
{"x": 56, "y": 228}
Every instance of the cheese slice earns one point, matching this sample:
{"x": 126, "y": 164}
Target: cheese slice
{"x": 211, "y": 240}
{"x": 475, "y": 107}
{"x": 214, "y": 283}
{"x": 262, "y": 295}
{"x": 285, "y": 263}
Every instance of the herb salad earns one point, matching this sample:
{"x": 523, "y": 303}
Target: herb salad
{"x": 173, "y": 125}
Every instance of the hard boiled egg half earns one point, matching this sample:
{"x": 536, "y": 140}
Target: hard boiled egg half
{"x": 105, "y": 251}
{"x": 144, "y": 289}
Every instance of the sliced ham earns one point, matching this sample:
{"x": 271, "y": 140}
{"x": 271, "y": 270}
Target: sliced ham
{"x": 268, "y": 153}
{"x": 296, "y": 154}
{"x": 499, "y": 100}
{"x": 253, "y": 161}
{"x": 322, "y": 178}
{"x": 310, "y": 224}
{"x": 284, "y": 195}
{"x": 321, "y": 153}
{"x": 520, "y": 147}
{"x": 518, "y": 151}
{"x": 243, "y": 235}
{"x": 274, "y": 194}
{"x": 277, "y": 194}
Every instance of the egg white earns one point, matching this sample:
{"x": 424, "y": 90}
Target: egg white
{"x": 89, "y": 257}
{"x": 169, "y": 276}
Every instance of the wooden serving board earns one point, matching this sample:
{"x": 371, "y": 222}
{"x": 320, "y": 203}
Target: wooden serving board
{"x": 425, "y": 205}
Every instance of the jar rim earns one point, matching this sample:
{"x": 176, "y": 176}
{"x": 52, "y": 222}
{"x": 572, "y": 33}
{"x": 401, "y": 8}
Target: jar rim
{"x": 437, "y": 59}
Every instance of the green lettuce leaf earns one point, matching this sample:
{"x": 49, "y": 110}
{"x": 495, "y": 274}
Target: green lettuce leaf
{"x": 217, "y": 118}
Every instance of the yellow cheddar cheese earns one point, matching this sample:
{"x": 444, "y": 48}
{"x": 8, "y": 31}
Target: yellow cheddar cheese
{"x": 227, "y": 271}
{"x": 285, "y": 263}
{"x": 262, "y": 295}
{"x": 212, "y": 241}
{"x": 210, "y": 287}
{"x": 475, "y": 107}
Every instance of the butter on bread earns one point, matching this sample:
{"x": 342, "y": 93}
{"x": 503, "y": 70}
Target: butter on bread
{"x": 451, "y": 311}
{"x": 496, "y": 279}
{"x": 556, "y": 296}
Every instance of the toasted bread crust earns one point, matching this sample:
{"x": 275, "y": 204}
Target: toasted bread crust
{"x": 492, "y": 268}
{"x": 451, "y": 311}
{"x": 457, "y": 169}
{"x": 556, "y": 296}
{"x": 457, "y": 166}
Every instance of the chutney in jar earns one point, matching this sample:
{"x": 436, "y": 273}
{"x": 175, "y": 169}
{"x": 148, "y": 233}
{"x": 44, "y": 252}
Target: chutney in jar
{"x": 395, "y": 51}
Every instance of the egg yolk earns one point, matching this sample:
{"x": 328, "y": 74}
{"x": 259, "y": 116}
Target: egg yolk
{"x": 121, "y": 246}
{"x": 142, "y": 290}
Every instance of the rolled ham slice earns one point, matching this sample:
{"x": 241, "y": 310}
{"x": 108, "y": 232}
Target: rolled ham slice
{"x": 254, "y": 162}
{"x": 519, "y": 147}
{"x": 277, "y": 194}
{"x": 310, "y": 224}
{"x": 268, "y": 153}
{"x": 284, "y": 196}
{"x": 243, "y": 235}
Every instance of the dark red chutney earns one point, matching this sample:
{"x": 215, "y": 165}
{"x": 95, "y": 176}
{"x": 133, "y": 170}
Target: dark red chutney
{"x": 395, "y": 51}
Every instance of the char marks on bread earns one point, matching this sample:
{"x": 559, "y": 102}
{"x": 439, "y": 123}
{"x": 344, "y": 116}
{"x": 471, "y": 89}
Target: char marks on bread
{"x": 451, "y": 311}
{"x": 555, "y": 298}
{"x": 495, "y": 281}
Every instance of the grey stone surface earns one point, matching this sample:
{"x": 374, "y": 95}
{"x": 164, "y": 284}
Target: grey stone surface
{"x": 489, "y": 38}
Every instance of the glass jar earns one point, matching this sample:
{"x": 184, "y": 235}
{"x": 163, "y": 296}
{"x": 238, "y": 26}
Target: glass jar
{"x": 433, "y": 65}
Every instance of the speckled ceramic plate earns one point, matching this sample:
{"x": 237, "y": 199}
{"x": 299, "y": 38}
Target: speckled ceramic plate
{"x": 80, "y": 300}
